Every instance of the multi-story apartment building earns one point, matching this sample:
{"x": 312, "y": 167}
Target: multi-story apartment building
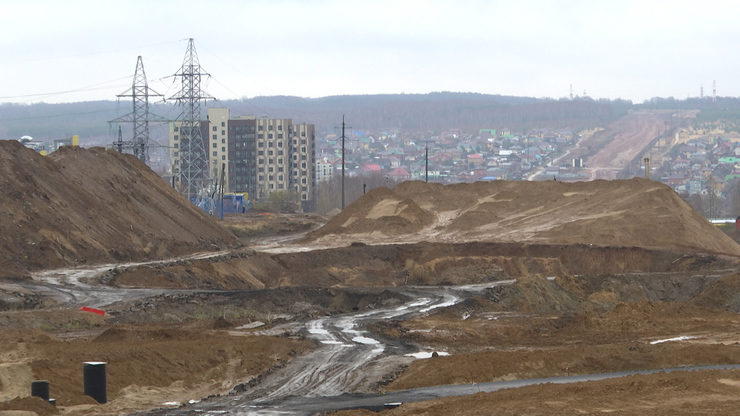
{"x": 257, "y": 155}
{"x": 324, "y": 170}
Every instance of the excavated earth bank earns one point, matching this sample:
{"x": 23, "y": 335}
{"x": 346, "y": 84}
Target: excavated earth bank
{"x": 86, "y": 206}
{"x": 621, "y": 213}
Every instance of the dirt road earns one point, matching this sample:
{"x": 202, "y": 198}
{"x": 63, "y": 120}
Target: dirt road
{"x": 621, "y": 142}
{"x": 73, "y": 287}
{"x": 347, "y": 360}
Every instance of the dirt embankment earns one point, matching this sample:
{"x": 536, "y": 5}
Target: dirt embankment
{"x": 146, "y": 366}
{"x": 541, "y": 328}
{"x": 92, "y": 205}
{"x": 404, "y": 264}
{"x": 684, "y": 393}
{"x": 626, "y": 213}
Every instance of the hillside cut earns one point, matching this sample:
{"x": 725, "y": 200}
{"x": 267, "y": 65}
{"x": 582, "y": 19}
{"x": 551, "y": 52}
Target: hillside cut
{"x": 94, "y": 205}
{"x": 619, "y": 213}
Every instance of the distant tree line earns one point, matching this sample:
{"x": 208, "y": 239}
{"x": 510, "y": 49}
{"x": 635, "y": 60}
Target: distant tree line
{"x": 421, "y": 114}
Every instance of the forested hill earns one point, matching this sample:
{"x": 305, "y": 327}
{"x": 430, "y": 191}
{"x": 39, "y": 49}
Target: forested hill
{"x": 421, "y": 113}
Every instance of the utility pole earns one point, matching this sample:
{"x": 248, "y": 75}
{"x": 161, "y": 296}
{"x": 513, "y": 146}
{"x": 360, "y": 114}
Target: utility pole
{"x": 342, "y": 162}
{"x": 194, "y": 174}
{"x": 426, "y": 162}
{"x": 647, "y": 167}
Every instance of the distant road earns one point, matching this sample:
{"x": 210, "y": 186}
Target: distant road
{"x": 621, "y": 142}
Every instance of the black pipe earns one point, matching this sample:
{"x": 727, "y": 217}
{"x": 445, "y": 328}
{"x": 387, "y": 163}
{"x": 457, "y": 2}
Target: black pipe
{"x": 94, "y": 380}
{"x": 40, "y": 388}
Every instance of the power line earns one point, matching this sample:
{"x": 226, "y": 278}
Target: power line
{"x": 92, "y": 87}
{"x": 55, "y": 115}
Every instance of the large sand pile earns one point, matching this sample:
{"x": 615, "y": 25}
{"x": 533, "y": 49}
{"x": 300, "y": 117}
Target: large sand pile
{"x": 92, "y": 205}
{"x": 626, "y": 213}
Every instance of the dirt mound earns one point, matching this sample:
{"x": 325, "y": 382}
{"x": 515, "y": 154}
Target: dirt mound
{"x": 380, "y": 210}
{"x": 32, "y": 405}
{"x": 626, "y": 213}
{"x": 146, "y": 366}
{"x": 92, "y": 205}
{"x": 724, "y": 294}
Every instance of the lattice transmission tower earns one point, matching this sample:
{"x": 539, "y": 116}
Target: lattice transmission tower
{"x": 194, "y": 175}
{"x": 139, "y": 117}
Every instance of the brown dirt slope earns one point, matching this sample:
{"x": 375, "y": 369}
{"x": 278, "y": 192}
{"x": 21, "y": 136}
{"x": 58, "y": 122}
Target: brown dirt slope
{"x": 626, "y": 213}
{"x": 92, "y": 205}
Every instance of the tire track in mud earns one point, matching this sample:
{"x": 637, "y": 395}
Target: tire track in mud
{"x": 73, "y": 286}
{"x": 337, "y": 366}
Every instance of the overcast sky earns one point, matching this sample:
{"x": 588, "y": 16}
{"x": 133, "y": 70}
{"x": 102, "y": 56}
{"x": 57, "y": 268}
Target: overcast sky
{"x": 610, "y": 49}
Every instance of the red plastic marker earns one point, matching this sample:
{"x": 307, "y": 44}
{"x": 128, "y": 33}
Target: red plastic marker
{"x": 93, "y": 310}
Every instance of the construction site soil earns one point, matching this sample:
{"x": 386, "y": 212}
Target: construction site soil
{"x": 620, "y": 213}
{"x": 87, "y": 206}
{"x": 594, "y": 277}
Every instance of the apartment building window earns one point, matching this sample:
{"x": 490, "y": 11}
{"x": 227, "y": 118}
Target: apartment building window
{"x": 280, "y": 152}
{"x": 176, "y": 129}
{"x": 260, "y": 127}
{"x": 270, "y": 152}
{"x": 177, "y": 145}
{"x": 215, "y": 153}
{"x": 215, "y": 145}
{"x": 223, "y": 149}
{"x": 215, "y": 137}
{"x": 177, "y": 153}
{"x": 260, "y": 136}
{"x": 261, "y": 144}
{"x": 223, "y": 132}
{"x": 270, "y": 178}
{"x": 280, "y": 135}
{"x": 280, "y": 127}
{"x": 215, "y": 128}
{"x": 271, "y": 169}
{"x": 177, "y": 137}
{"x": 223, "y": 157}
{"x": 270, "y": 144}
{"x": 280, "y": 186}
{"x": 269, "y": 135}
{"x": 272, "y": 186}
{"x": 223, "y": 140}
{"x": 303, "y": 134}
{"x": 261, "y": 161}
{"x": 261, "y": 152}
{"x": 280, "y": 160}
{"x": 262, "y": 177}
{"x": 280, "y": 178}
{"x": 223, "y": 124}
{"x": 269, "y": 127}
{"x": 280, "y": 144}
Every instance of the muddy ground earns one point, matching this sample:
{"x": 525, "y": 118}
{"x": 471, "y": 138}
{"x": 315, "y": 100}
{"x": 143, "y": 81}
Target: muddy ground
{"x": 573, "y": 309}
{"x": 692, "y": 393}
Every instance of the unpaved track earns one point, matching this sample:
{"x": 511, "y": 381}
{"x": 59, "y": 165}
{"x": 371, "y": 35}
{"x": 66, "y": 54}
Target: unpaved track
{"x": 629, "y": 136}
{"x": 302, "y": 406}
{"x": 72, "y": 287}
{"x": 338, "y": 365}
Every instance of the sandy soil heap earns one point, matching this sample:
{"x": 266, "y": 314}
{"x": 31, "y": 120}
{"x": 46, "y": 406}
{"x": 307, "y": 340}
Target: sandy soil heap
{"x": 91, "y": 205}
{"x": 627, "y": 213}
